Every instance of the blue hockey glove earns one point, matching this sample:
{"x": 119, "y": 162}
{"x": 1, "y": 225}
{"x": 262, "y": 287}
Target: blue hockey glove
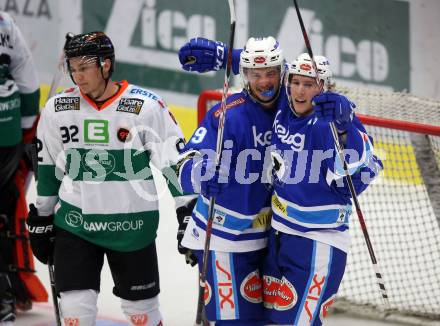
{"x": 333, "y": 107}
{"x": 201, "y": 55}
{"x": 213, "y": 179}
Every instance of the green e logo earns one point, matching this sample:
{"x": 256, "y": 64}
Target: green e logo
{"x": 96, "y": 131}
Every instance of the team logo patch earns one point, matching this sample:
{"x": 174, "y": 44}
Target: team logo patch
{"x": 130, "y": 105}
{"x": 325, "y": 307}
{"x": 66, "y": 104}
{"x": 123, "y": 135}
{"x": 139, "y": 320}
{"x": 252, "y": 288}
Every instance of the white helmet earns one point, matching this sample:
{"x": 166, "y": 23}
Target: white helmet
{"x": 303, "y": 66}
{"x": 261, "y": 52}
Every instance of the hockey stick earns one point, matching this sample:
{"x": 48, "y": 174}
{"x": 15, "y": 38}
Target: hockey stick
{"x": 339, "y": 149}
{"x": 202, "y": 277}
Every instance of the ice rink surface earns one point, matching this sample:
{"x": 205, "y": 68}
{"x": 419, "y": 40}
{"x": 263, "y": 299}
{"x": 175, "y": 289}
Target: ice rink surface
{"x": 178, "y": 284}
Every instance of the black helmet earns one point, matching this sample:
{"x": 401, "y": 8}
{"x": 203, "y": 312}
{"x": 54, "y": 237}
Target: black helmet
{"x": 91, "y": 44}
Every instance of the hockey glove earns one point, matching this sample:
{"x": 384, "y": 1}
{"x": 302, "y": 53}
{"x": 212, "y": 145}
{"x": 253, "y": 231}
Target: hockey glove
{"x": 332, "y": 107}
{"x": 41, "y": 234}
{"x": 183, "y": 216}
{"x": 213, "y": 178}
{"x": 201, "y": 55}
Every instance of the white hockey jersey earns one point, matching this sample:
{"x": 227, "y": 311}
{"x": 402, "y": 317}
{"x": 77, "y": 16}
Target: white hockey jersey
{"x": 94, "y": 164}
{"x": 19, "y": 86}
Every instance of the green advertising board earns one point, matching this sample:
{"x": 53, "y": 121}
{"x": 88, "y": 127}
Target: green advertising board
{"x": 367, "y": 42}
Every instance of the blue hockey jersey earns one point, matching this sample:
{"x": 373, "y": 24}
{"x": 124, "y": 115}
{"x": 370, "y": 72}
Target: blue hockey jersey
{"x": 311, "y": 197}
{"x": 242, "y": 210}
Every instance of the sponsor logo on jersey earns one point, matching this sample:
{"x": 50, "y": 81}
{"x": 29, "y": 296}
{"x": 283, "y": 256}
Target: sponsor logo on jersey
{"x": 144, "y": 93}
{"x": 270, "y": 290}
{"x": 278, "y": 294}
{"x": 262, "y": 220}
{"x": 252, "y": 287}
{"x": 123, "y": 135}
{"x": 66, "y": 104}
{"x": 229, "y": 106}
{"x": 296, "y": 141}
{"x": 287, "y": 296}
{"x": 96, "y": 131}
{"x": 10, "y": 105}
{"x": 260, "y": 138}
{"x": 279, "y": 206}
{"x": 219, "y": 217}
{"x": 130, "y": 105}
{"x": 99, "y": 163}
{"x": 73, "y": 219}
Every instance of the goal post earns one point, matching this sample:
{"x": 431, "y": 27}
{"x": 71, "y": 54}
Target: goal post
{"x": 401, "y": 208}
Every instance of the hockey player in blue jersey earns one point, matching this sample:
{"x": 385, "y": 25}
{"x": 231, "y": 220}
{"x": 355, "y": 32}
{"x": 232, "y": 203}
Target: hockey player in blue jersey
{"x": 241, "y": 188}
{"x": 311, "y": 202}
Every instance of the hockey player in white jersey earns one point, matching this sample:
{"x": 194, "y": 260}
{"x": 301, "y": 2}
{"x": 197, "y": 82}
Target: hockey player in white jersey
{"x": 96, "y": 193}
{"x": 19, "y": 106}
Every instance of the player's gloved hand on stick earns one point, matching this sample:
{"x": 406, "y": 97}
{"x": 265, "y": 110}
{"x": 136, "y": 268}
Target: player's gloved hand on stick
{"x": 201, "y": 55}
{"x": 333, "y": 107}
{"x": 183, "y": 216}
{"x": 213, "y": 179}
{"x": 41, "y": 234}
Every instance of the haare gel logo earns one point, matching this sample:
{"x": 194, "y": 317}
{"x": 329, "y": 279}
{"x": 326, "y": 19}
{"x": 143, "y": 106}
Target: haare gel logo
{"x": 71, "y": 321}
{"x": 139, "y": 320}
{"x": 252, "y": 287}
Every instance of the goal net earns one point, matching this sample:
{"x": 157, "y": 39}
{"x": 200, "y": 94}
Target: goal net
{"x": 401, "y": 208}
